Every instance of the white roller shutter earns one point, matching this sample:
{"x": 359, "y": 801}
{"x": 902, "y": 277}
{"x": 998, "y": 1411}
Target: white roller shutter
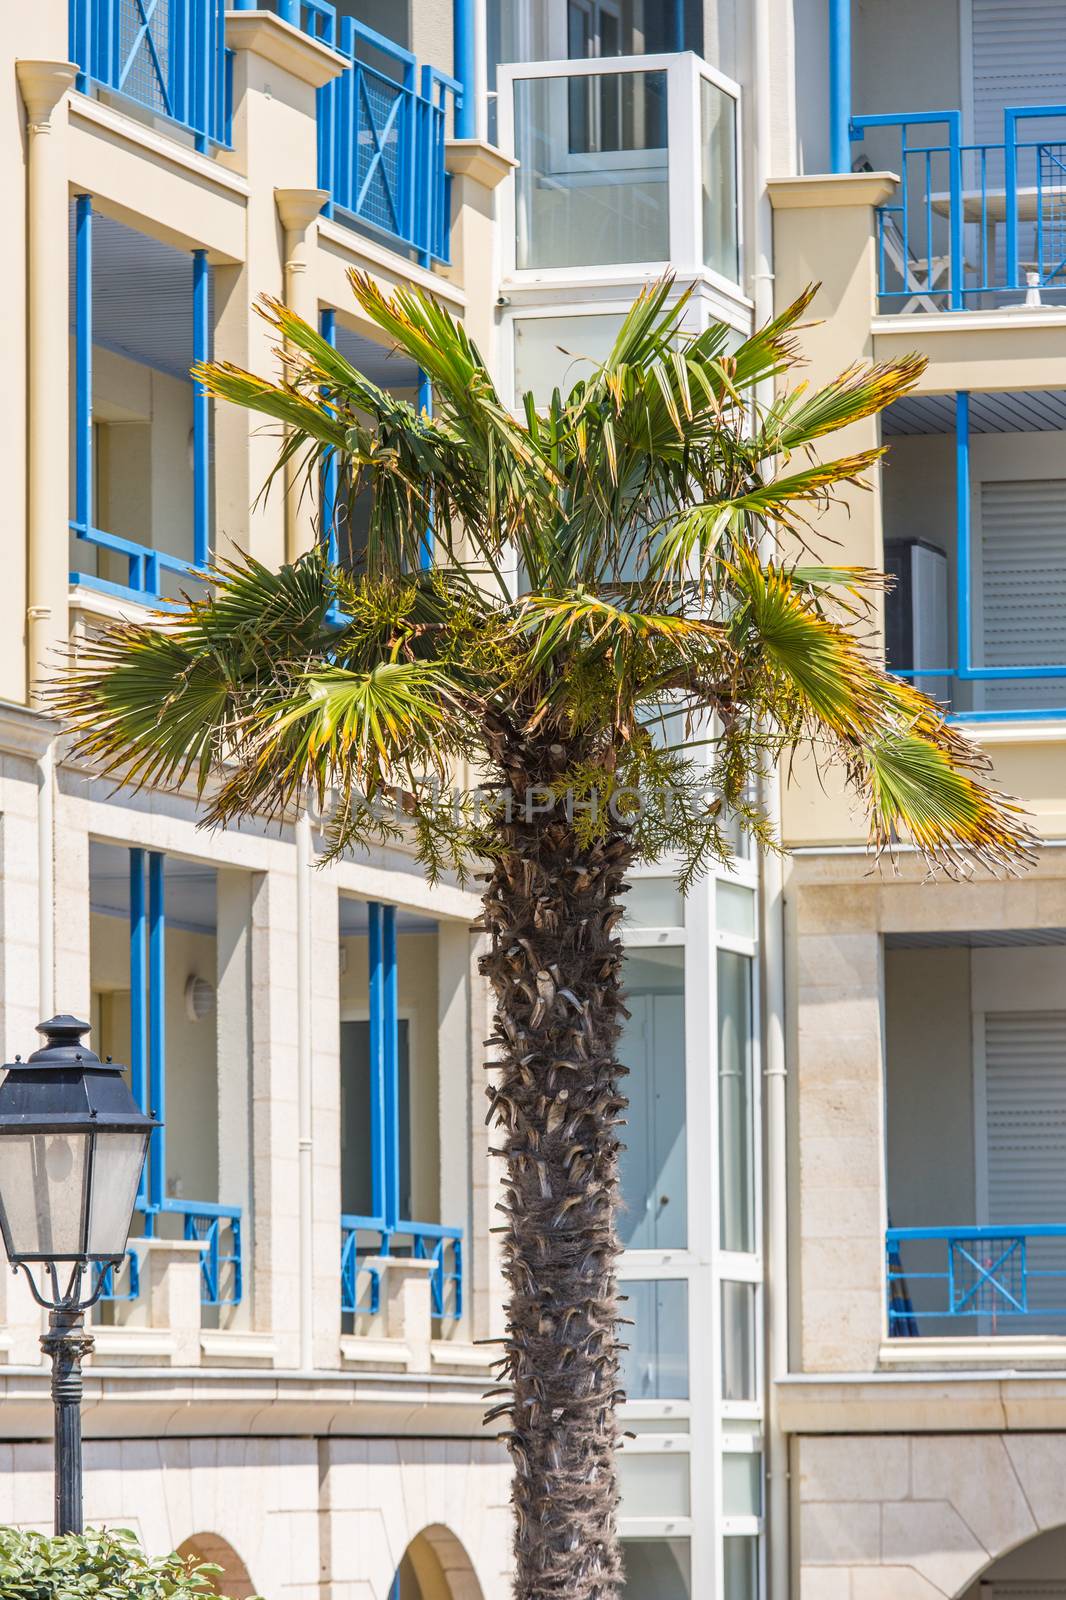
{"x": 1019, "y": 59}
{"x": 1025, "y": 1130}
{"x": 1022, "y": 609}
{"x": 1023, "y": 1589}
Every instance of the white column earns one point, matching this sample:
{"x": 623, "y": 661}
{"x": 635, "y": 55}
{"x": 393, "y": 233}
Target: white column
{"x": 234, "y": 1061}
{"x": 298, "y": 210}
{"x": 43, "y": 85}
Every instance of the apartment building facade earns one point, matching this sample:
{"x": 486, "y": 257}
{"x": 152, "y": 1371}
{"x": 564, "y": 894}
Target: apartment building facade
{"x": 921, "y": 1388}
{"x": 289, "y": 1366}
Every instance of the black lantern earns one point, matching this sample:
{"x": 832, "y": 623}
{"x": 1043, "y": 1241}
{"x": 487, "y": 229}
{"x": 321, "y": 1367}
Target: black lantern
{"x": 72, "y": 1147}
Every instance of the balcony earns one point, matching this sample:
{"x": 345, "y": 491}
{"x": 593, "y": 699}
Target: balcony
{"x": 975, "y": 1049}
{"x": 168, "y": 61}
{"x": 973, "y": 226}
{"x": 166, "y": 993}
{"x": 399, "y": 1278}
{"x": 974, "y": 512}
{"x": 381, "y": 125}
{"x": 606, "y": 176}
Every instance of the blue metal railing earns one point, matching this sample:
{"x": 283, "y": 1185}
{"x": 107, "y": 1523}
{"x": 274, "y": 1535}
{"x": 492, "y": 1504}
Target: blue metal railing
{"x": 970, "y": 222}
{"x": 962, "y": 670}
{"x": 221, "y": 1265}
{"x": 425, "y": 1241}
{"x": 940, "y": 1277}
{"x": 168, "y": 56}
{"x": 381, "y": 131}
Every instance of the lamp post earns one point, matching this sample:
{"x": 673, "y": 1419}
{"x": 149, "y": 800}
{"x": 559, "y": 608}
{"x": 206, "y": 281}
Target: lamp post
{"x": 72, "y": 1147}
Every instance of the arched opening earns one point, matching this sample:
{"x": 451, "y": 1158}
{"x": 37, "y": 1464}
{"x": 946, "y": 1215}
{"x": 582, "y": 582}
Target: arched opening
{"x": 435, "y": 1567}
{"x": 1035, "y": 1570}
{"x": 233, "y": 1581}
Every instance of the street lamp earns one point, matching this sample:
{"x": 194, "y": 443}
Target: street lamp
{"x": 72, "y": 1147}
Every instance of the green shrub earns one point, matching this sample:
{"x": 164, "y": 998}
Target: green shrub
{"x": 102, "y": 1564}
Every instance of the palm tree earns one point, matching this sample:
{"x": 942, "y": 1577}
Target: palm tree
{"x": 602, "y": 624}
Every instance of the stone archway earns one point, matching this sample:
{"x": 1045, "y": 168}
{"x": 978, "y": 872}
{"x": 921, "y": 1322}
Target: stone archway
{"x": 1035, "y": 1568}
{"x": 435, "y": 1566}
{"x": 233, "y": 1581}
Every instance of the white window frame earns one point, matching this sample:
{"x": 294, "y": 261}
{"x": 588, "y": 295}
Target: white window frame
{"x": 684, "y": 142}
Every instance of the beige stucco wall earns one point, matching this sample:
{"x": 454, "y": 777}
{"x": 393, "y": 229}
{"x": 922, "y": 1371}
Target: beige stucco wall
{"x": 920, "y": 1518}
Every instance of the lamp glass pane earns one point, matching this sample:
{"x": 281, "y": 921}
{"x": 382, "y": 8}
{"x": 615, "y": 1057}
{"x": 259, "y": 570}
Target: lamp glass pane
{"x": 42, "y": 1192}
{"x": 116, "y": 1176}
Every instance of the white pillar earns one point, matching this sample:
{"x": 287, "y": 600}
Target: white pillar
{"x": 234, "y": 1061}
{"x": 298, "y": 210}
{"x": 43, "y": 85}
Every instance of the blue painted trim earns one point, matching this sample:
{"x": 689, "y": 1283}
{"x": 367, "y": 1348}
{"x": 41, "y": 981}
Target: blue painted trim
{"x": 425, "y": 405}
{"x": 391, "y": 1065}
{"x": 839, "y": 85}
{"x": 327, "y": 324}
{"x": 679, "y": 24}
{"x": 157, "y": 1023}
{"x": 138, "y": 995}
{"x": 964, "y": 606}
{"x": 378, "y": 1145}
{"x": 201, "y": 411}
{"x": 83, "y": 358}
{"x": 464, "y": 42}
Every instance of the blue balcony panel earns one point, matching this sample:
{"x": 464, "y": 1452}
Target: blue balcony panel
{"x": 976, "y": 1281}
{"x": 971, "y": 223}
{"x": 168, "y": 57}
{"x": 425, "y": 1241}
{"x": 222, "y": 1263}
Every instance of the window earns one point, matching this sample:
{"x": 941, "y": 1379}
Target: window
{"x": 390, "y": 1167}
{"x": 654, "y": 1165}
{"x": 738, "y": 1342}
{"x": 735, "y": 1102}
{"x": 657, "y": 1569}
{"x": 741, "y": 1567}
{"x": 655, "y": 1366}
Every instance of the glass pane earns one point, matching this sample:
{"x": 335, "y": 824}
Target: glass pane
{"x": 653, "y": 1484}
{"x": 735, "y": 910}
{"x": 735, "y": 1109}
{"x": 719, "y": 175}
{"x": 116, "y": 1176}
{"x": 657, "y": 1569}
{"x": 654, "y": 903}
{"x": 655, "y": 1367}
{"x": 592, "y": 183}
{"x": 42, "y": 1184}
{"x": 653, "y": 1165}
{"x": 738, "y": 1341}
{"x": 741, "y": 1484}
{"x": 741, "y": 1564}
{"x": 557, "y": 352}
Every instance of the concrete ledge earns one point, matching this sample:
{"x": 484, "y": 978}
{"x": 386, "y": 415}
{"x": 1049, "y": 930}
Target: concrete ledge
{"x": 966, "y": 1355}
{"x": 449, "y": 1353}
{"x": 125, "y": 1343}
{"x": 287, "y": 47}
{"x": 375, "y": 1352}
{"x": 821, "y": 189}
{"x": 238, "y": 1344}
{"x": 476, "y": 159}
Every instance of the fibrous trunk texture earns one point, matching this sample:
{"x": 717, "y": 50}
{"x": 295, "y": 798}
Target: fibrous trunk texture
{"x": 552, "y": 908}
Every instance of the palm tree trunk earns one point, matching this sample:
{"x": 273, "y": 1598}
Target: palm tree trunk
{"x": 552, "y": 906}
